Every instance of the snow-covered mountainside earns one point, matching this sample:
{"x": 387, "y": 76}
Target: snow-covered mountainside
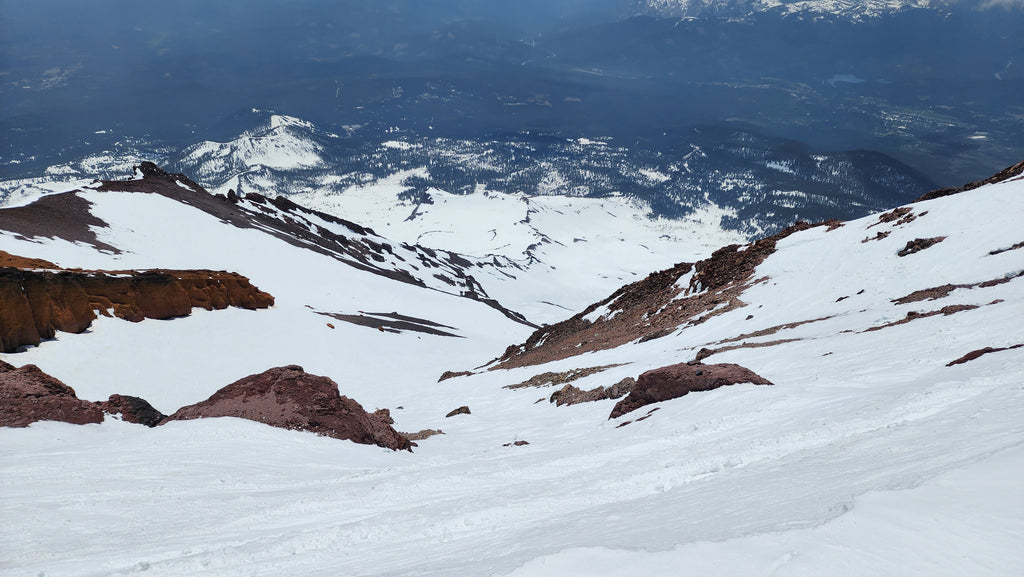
{"x": 850, "y": 9}
{"x": 889, "y": 442}
{"x": 760, "y": 183}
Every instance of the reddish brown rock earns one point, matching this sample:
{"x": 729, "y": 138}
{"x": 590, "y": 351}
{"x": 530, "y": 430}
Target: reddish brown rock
{"x": 289, "y": 398}
{"x": 463, "y": 410}
{"x": 27, "y": 395}
{"x": 35, "y": 304}
{"x": 453, "y": 374}
{"x": 677, "y": 380}
{"x": 980, "y": 352}
{"x": 132, "y": 410}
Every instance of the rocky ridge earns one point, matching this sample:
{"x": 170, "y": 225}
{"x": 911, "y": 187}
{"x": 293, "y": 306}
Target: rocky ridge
{"x": 685, "y": 295}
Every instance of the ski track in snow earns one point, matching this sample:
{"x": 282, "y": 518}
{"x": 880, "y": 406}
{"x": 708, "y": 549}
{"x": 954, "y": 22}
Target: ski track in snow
{"x": 867, "y": 456}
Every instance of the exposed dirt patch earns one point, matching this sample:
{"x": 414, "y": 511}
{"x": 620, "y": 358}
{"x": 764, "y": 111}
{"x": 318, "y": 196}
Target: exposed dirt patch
{"x": 919, "y": 244}
{"x": 289, "y": 398}
{"x": 652, "y": 307}
{"x": 978, "y": 353}
{"x": 65, "y": 216}
{"x": 678, "y": 380}
{"x": 1004, "y": 174}
{"x": 27, "y": 395}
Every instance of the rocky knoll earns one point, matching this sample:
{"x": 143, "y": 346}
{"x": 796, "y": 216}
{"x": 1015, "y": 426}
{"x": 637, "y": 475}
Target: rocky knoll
{"x": 290, "y": 398}
{"x": 677, "y": 380}
{"x": 27, "y": 395}
{"x": 34, "y": 304}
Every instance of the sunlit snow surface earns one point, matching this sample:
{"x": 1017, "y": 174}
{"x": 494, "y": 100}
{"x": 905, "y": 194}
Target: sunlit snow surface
{"x": 868, "y": 457}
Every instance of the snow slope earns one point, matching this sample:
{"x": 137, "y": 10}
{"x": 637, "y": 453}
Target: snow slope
{"x": 553, "y": 254}
{"x": 868, "y": 456}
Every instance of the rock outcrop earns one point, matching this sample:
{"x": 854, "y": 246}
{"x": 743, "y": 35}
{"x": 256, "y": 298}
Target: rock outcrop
{"x": 1004, "y": 174}
{"x": 677, "y": 380}
{"x": 290, "y": 398}
{"x": 132, "y": 410}
{"x": 35, "y": 304}
{"x": 653, "y": 307}
{"x": 27, "y": 395}
{"x": 570, "y": 395}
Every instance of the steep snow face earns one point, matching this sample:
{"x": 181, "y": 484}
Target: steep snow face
{"x": 869, "y": 455}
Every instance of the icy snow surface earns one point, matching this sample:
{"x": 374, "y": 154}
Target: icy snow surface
{"x": 868, "y": 456}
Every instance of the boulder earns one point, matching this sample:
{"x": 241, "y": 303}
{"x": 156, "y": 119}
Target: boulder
{"x": 132, "y": 410}
{"x": 290, "y": 398}
{"x": 677, "y": 380}
{"x": 27, "y": 395}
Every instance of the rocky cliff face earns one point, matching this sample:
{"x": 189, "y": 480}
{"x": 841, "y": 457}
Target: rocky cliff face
{"x": 290, "y": 398}
{"x": 34, "y": 304}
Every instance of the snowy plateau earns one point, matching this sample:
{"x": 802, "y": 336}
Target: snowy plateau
{"x": 872, "y": 453}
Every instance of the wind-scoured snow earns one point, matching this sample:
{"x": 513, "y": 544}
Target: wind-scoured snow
{"x": 869, "y": 455}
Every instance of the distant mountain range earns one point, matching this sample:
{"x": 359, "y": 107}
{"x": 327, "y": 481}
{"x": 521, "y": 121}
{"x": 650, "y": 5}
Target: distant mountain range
{"x": 850, "y": 9}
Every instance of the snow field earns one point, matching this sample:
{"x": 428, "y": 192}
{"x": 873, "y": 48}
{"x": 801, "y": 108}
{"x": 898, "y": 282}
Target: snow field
{"x": 867, "y": 456}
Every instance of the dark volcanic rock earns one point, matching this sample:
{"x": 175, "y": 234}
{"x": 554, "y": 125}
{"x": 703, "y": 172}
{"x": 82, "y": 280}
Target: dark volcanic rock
{"x": 677, "y": 380}
{"x": 132, "y": 410}
{"x": 289, "y": 398}
{"x": 27, "y": 395}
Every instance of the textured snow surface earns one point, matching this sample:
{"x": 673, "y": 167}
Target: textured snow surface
{"x": 559, "y": 253}
{"x": 868, "y": 456}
